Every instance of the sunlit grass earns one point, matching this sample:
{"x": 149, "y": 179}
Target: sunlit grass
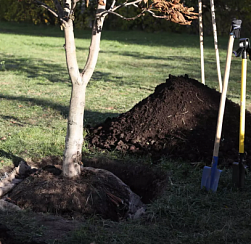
{"x": 35, "y": 86}
{"x": 34, "y": 99}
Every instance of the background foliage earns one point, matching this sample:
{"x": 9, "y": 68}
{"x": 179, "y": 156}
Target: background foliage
{"x": 27, "y": 11}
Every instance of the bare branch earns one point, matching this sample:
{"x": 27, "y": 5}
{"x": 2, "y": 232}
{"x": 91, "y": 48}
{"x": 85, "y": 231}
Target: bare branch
{"x": 126, "y": 18}
{"x": 59, "y": 8}
{"x": 74, "y": 4}
{"x": 158, "y": 16}
{"x": 46, "y": 7}
{"x": 125, "y": 4}
{"x": 171, "y": 10}
{"x": 43, "y": 5}
{"x": 113, "y": 4}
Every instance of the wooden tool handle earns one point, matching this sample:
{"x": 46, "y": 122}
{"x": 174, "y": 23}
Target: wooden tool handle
{"x": 223, "y": 96}
{"x": 216, "y": 44}
{"x": 201, "y": 43}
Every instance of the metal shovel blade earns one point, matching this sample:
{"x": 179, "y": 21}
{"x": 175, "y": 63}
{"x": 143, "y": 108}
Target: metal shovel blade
{"x": 210, "y": 178}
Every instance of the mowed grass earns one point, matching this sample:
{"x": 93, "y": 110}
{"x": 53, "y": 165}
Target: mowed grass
{"x": 34, "y": 99}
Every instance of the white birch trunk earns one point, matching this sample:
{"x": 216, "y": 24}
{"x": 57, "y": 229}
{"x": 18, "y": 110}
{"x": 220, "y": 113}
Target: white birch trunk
{"x": 74, "y": 137}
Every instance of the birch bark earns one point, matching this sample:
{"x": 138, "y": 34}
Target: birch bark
{"x": 74, "y": 137}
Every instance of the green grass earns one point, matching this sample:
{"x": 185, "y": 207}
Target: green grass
{"x": 34, "y": 98}
{"x": 183, "y": 214}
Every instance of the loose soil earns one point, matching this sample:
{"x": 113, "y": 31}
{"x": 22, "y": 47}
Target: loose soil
{"x": 95, "y": 192}
{"x": 99, "y": 190}
{"x": 177, "y": 121}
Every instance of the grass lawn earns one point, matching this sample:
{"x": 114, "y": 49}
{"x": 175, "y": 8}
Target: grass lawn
{"x": 34, "y": 98}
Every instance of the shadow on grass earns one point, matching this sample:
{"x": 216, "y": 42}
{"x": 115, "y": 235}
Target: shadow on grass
{"x": 127, "y": 37}
{"x": 36, "y": 68}
{"x": 15, "y": 159}
{"x": 40, "y": 102}
{"x": 43, "y": 70}
{"x": 40, "y": 69}
{"x": 15, "y": 120}
{"x": 90, "y": 117}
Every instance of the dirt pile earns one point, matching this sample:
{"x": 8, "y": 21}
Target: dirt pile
{"x": 177, "y": 121}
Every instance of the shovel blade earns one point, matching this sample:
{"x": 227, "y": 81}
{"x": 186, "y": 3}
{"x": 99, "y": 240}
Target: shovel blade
{"x": 210, "y": 179}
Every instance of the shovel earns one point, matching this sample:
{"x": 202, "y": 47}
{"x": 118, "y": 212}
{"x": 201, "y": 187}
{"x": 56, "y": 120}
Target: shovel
{"x": 239, "y": 167}
{"x": 211, "y": 175}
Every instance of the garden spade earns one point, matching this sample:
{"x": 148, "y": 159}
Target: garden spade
{"x": 211, "y": 175}
{"x": 239, "y": 167}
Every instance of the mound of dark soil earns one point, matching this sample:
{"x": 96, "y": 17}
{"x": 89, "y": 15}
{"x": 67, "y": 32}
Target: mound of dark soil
{"x": 177, "y": 121}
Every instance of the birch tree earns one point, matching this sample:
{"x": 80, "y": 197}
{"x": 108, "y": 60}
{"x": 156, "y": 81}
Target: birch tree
{"x": 171, "y": 10}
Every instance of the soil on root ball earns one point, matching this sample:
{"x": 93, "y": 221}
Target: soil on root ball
{"x": 96, "y": 191}
{"x": 177, "y": 121}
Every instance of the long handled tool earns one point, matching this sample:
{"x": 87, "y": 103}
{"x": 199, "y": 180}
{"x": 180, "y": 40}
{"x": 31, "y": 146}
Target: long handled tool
{"x": 211, "y": 175}
{"x": 216, "y": 44}
{"x": 239, "y": 167}
{"x": 201, "y": 43}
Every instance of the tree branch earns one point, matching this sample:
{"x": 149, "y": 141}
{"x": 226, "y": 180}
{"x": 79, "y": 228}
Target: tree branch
{"x": 167, "y": 17}
{"x": 74, "y": 4}
{"x": 126, "y": 18}
{"x": 125, "y": 4}
{"x": 113, "y": 4}
{"x": 43, "y": 5}
{"x": 169, "y": 10}
{"x": 46, "y": 7}
{"x": 59, "y": 9}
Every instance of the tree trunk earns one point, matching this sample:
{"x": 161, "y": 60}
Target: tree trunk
{"x": 74, "y": 137}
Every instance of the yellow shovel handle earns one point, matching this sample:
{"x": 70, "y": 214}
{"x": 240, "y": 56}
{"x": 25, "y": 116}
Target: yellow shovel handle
{"x": 242, "y": 105}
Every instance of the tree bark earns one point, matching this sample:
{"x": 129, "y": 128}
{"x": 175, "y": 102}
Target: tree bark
{"x": 74, "y": 137}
